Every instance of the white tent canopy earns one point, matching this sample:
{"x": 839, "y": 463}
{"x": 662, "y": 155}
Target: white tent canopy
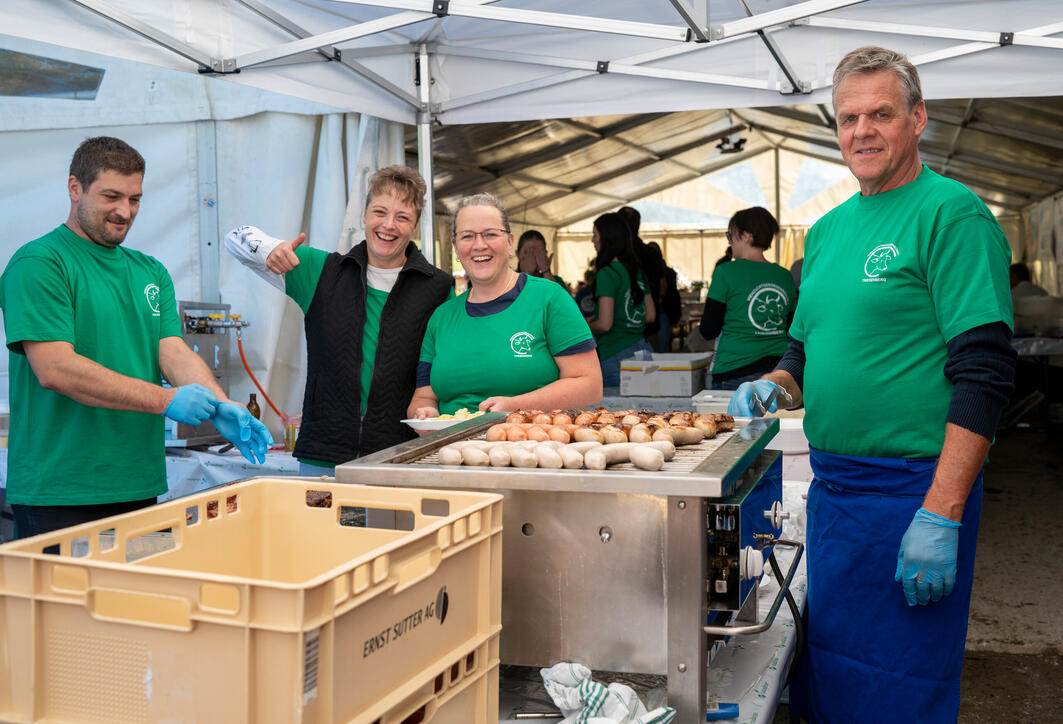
{"x": 520, "y": 59}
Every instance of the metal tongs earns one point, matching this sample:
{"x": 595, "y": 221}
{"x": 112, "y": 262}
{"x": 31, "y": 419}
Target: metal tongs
{"x": 760, "y": 408}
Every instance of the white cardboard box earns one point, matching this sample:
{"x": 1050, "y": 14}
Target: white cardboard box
{"x": 678, "y": 374}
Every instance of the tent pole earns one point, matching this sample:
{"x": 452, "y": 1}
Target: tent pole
{"x": 778, "y": 208}
{"x": 207, "y": 194}
{"x": 424, "y": 157}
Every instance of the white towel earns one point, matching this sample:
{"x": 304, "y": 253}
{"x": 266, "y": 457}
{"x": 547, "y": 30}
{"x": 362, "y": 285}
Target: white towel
{"x": 585, "y": 701}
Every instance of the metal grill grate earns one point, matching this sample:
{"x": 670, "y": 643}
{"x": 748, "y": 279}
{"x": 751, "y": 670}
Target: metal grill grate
{"x": 686, "y": 457}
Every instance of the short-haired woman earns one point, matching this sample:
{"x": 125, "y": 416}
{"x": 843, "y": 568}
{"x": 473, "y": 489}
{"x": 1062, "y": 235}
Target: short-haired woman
{"x": 749, "y": 304}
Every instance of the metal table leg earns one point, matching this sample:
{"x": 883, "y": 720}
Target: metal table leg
{"x": 687, "y": 602}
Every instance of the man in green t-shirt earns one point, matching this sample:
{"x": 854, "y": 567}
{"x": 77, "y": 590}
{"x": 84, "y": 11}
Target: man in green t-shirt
{"x": 901, "y": 354}
{"x": 92, "y": 328}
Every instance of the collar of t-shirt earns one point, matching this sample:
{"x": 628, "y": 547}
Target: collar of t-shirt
{"x": 499, "y": 303}
{"x": 382, "y": 279}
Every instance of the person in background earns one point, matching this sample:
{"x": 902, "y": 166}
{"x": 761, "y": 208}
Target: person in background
{"x": 671, "y": 308}
{"x": 92, "y": 328}
{"x": 727, "y": 256}
{"x": 795, "y": 272}
{"x": 901, "y": 354}
{"x": 1021, "y": 286}
{"x": 749, "y": 303}
{"x": 650, "y": 262}
{"x": 513, "y": 341}
{"x": 622, "y": 303}
{"x": 532, "y": 258}
{"x": 366, "y": 313}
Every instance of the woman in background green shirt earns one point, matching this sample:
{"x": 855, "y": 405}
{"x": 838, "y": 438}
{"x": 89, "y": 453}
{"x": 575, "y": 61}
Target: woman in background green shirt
{"x": 622, "y": 306}
{"x": 749, "y": 304}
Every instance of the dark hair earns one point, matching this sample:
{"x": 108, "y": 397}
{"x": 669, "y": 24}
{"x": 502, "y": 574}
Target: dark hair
{"x": 633, "y": 218}
{"x": 104, "y": 153}
{"x": 405, "y": 182}
{"x": 530, "y": 235}
{"x": 1021, "y": 271}
{"x": 614, "y": 237}
{"x": 757, "y": 221}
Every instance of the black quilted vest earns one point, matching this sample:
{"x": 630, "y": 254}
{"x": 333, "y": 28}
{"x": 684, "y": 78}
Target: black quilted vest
{"x": 332, "y": 429}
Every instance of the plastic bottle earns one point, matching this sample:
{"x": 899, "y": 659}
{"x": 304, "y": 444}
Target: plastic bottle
{"x": 252, "y": 406}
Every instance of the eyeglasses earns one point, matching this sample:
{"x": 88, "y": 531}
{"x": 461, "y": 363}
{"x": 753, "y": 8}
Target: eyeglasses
{"x": 488, "y": 235}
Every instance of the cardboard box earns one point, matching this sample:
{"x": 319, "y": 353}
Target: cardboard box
{"x": 678, "y": 374}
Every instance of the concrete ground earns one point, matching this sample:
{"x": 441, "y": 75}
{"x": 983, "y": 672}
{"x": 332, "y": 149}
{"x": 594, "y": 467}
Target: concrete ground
{"x": 1014, "y": 662}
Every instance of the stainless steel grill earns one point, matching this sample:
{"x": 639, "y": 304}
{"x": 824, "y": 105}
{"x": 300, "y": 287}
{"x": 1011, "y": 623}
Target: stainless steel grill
{"x": 612, "y": 568}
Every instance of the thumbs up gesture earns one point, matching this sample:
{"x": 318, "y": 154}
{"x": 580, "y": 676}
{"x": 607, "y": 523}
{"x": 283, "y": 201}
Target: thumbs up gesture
{"x": 283, "y": 259}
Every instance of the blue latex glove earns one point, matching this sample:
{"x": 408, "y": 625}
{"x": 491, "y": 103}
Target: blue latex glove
{"x": 926, "y": 562}
{"x": 742, "y": 401}
{"x": 192, "y": 405}
{"x": 239, "y": 427}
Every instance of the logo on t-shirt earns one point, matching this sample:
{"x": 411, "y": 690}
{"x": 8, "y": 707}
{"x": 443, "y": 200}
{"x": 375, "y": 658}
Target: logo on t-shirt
{"x": 521, "y": 344}
{"x": 878, "y": 261}
{"x": 635, "y": 313}
{"x": 152, "y": 293}
{"x": 767, "y": 308}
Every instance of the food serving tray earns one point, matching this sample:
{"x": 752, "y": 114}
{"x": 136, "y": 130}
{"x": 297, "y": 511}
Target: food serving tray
{"x": 708, "y": 469}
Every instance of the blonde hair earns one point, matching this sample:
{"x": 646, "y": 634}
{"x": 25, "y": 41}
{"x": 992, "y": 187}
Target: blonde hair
{"x": 481, "y": 199}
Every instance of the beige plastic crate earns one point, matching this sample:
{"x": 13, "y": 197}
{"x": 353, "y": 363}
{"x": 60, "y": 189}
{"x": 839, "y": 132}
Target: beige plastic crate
{"x": 259, "y": 602}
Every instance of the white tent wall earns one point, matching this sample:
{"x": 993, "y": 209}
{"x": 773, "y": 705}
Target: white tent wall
{"x": 1043, "y": 248}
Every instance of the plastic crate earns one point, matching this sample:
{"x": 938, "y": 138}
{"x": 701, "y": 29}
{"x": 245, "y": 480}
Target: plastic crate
{"x": 264, "y": 601}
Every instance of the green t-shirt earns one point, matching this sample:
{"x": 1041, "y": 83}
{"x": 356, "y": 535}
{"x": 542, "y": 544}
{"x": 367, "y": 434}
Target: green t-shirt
{"x": 114, "y": 306}
{"x": 760, "y": 297}
{"x": 629, "y": 319}
{"x": 507, "y": 353}
{"x": 887, "y": 281}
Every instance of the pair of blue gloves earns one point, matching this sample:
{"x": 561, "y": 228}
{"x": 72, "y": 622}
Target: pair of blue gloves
{"x": 926, "y": 561}
{"x": 193, "y": 404}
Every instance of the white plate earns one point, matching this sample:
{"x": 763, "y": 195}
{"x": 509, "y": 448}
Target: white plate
{"x": 423, "y": 425}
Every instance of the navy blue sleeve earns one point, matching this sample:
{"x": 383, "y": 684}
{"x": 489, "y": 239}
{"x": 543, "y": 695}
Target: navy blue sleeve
{"x": 711, "y": 323}
{"x": 584, "y": 346}
{"x": 424, "y": 374}
{"x": 794, "y": 362}
{"x": 982, "y": 367}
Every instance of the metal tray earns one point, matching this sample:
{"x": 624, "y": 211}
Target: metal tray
{"x": 709, "y": 469}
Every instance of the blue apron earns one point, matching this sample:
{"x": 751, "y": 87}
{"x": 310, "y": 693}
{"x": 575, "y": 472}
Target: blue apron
{"x": 870, "y": 657}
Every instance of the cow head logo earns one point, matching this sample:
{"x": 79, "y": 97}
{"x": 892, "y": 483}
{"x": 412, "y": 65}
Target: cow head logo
{"x": 879, "y": 260}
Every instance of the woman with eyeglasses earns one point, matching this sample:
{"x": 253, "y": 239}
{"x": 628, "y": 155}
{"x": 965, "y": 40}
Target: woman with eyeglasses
{"x": 749, "y": 305}
{"x": 512, "y": 341}
{"x": 622, "y": 304}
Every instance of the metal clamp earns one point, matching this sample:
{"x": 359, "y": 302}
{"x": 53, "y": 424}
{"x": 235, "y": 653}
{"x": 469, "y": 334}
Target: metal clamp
{"x": 784, "y": 586}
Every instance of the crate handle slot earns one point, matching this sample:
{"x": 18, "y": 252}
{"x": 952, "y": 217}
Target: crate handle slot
{"x": 413, "y": 571}
{"x": 420, "y": 713}
{"x": 140, "y": 609}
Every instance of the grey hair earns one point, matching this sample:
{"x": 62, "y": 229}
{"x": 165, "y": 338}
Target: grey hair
{"x": 481, "y": 199}
{"x": 871, "y": 59}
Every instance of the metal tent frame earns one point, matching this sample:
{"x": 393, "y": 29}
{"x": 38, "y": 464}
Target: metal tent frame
{"x": 683, "y": 35}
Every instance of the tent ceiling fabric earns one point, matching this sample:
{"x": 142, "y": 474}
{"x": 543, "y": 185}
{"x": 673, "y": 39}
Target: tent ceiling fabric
{"x": 521, "y": 59}
{"x": 554, "y": 172}
{"x": 600, "y": 63}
